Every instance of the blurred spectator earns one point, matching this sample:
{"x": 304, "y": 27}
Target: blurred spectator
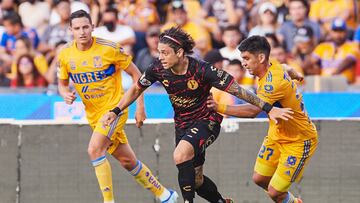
{"x": 27, "y": 74}
{"x": 4, "y": 80}
{"x": 147, "y": 55}
{"x": 58, "y": 32}
{"x": 325, "y": 11}
{"x": 51, "y": 74}
{"x": 14, "y": 29}
{"x": 298, "y": 10}
{"x": 227, "y": 12}
{"x": 112, "y": 31}
{"x": 215, "y": 58}
{"x": 35, "y": 14}
{"x": 138, "y": 14}
{"x": 339, "y": 55}
{"x": 235, "y": 69}
{"x": 22, "y": 47}
{"x": 267, "y": 21}
{"x": 98, "y": 7}
{"x": 231, "y": 37}
{"x": 272, "y": 39}
{"x": 6, "y": 7}
{"x": 357, "y": 35}
{"x": 303, "y": 48}
{"x": 200, "y": 35}
{"x": 74, "y": 6}
{"x": 279, "y": 53}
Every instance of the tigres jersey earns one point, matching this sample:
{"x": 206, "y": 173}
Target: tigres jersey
{"x": 330, "y": 56}
{"x": 96, "y": 74}
{"x": 277, "y": 88}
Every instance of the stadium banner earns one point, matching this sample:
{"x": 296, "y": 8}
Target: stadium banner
{"x": 39, "y": 106}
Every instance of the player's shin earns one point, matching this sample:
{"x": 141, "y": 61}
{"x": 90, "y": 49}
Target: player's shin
{"x": 145, "y": 178}
{"x": 291, "y": 199}
{"x": 104, "y": 177}
{"x": 209, "y": 191}
{"x": 186, "y": 178}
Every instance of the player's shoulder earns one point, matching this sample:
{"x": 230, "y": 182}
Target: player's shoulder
{"x": 106, "y": 43}
{"x": 155, "y": 66}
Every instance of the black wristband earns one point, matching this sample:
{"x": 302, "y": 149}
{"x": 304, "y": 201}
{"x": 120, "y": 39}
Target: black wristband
{"x": 116, "y": 110}
{"x": 267, "y": 107}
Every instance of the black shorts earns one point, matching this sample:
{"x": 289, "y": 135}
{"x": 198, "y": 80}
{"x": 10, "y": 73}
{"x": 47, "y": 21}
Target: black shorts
{"x": 200, "y": 135}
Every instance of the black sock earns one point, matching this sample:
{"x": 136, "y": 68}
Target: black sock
{"x": 208, "y": 191}
{"x": 186, "y": 179}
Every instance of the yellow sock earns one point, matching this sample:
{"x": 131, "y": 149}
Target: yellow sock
{"x": 104, "y": 176}
{"x": 146, "y": 179}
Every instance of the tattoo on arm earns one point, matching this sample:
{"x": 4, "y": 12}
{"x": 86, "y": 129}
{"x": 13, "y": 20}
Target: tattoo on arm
{"x": 240, "y": 92}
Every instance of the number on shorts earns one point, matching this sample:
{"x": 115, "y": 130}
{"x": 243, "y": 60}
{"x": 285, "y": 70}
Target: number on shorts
{"x": 263, "y": 150}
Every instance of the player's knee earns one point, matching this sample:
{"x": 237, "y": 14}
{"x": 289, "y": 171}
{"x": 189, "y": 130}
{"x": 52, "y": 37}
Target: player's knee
{"x": 199, "y": 180}
{"x": 95, "y": 152}
{"x": 127, "y": 163}
{"x": 181, "y": 157}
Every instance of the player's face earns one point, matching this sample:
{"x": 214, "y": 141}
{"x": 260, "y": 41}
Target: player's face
{"x": 81, "y": 29}
{"x": 251, "y": 62}
{"x": 167, "y": 56}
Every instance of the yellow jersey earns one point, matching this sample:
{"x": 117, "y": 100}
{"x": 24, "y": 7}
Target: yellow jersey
{"x": 277, "y": 88}
{"x": 96, "y": 74}
{"x": 330, "y": 56}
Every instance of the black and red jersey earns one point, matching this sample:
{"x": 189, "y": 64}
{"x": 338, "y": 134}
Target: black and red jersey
{"x": 188, "y": 93}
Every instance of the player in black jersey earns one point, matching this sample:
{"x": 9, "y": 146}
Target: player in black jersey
{"x": 188, "y": 82}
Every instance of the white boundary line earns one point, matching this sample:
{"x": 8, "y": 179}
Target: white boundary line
{"x": 151, "y": 121}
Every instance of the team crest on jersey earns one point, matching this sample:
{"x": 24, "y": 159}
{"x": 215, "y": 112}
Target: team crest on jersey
{"x": 268, "y": 88}
{"x": 72, "y": 64}
{"x": 84, "y": 63}
{"x": 192, "y": 84}
{"x": 97, "y": 62}
{"x": 165, "y": 83}
{"x": 291, "y": 161}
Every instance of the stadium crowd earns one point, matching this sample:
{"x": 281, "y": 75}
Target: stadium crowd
{"x": 317, "y": 37}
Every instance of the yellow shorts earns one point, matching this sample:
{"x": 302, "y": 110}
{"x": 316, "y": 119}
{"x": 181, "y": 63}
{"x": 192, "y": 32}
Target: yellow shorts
{"x": 284, "y": 161}
{"x": 115, "y": 132}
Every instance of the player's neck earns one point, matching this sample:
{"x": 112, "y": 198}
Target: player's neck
{"x": 84, "y": 46}
{"x": 263, "y": 70}
{"x": 181, "y": 67}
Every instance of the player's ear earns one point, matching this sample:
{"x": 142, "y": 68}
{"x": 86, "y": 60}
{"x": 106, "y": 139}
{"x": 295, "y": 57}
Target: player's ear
{"x": 261, "y": 58}
{"x": 180, "y": 52}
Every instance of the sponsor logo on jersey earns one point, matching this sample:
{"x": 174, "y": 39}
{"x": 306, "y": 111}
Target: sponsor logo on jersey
{"x": 89, "y": 77}
{"x": 165, "y": 83}
{"x": 268, "y": 88}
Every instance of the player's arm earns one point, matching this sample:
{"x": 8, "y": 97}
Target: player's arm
{"x": 140, "y": 115}
{"x": 63, "y": 83}
{"x": 242, "y": 110}
{"x": 294, "y": 75}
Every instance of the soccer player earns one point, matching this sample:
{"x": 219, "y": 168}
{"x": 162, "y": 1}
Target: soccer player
{"x": 289, "y": 144}
{"x": 188, "y": 82}
{"x": 94, "y": 65}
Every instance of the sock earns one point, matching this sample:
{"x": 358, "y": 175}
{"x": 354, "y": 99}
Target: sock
{"x": 209, "y": 191}
{"x": 146, "y": 179}
{"x": 289, "y": 198}
{"x": 186, "y": 178}
{"x": 104, "y": 177}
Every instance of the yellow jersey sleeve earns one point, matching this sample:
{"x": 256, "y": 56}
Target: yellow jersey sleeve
{"x": 270, "y": 90}
{"x": 122, "y": 60}
{"x": 62, "y": 69}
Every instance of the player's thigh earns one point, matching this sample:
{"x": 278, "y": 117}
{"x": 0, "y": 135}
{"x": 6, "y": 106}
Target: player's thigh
{"x": 115, "y": 132}
{"x": 293, "y": 159}
{"x": 268, "y": 158}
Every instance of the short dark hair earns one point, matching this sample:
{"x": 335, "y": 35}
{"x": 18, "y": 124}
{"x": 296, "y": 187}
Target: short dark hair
{"x": 79, "y": 14}
{"x": 304, "y": 2}
{"x": 176, "y": 38}
{"x": 14, "y": 18}
{"x": 255, "y": 45}
{"x": 112, "y": 10}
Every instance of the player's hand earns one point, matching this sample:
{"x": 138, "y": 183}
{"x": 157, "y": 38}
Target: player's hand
{"x": 69, "y": 97}
{"x": 108, "y": 118}
{"x": 299, "y": 77}
{"x": 211, "y": 103}
{"x": 280, "y": 113}
{"x": 140, "y": 116}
